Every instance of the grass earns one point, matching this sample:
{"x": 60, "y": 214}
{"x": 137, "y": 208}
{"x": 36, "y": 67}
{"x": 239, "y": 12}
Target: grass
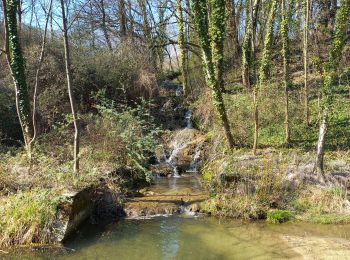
{"x": 271, "y": 186}
{"x": 27, "y": 217}
{"x": 328, "y": 219}
{"x": 323, "y": 205}
{"x": 279, "y": 216}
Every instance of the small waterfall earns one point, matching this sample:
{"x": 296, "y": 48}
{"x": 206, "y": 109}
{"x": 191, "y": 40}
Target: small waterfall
{"x": 195, "y": 161}
{"x": 180, "y": 141}
{"x": 188, "y": 118}
{"x": 177, "y": 147}
{"x": 178, "y": 91}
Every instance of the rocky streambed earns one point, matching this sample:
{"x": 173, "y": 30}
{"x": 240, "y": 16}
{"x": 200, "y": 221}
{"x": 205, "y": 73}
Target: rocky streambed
{"x": 167, "y": 196}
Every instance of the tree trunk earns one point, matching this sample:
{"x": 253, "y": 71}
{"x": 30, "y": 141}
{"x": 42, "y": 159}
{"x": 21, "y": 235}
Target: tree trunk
{"x": 232, "y": 28}
{"x": 131, "y": 21}
{"x": 338, "y": 43}
{"x": 212, "y": 48}
{"x": 147, "y": 30}
{"x": 248, "y": 46}
{"x": 306, "y": 60}
{"x": 319, "y": 165}
{"x": 180, "y": 23}
{"x": 256, "y": 120}
{"x": 264, "y": 69}
{"x": 122, "y": 18}
{"x": 41, "y": 59}
{"x": 16, "y": 63}
{"x": 285, "y": 56}
{"x": 104, "y": 25}
{"x": 70, "y": 91}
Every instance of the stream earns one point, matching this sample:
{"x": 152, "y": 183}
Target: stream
{"x": 189, "y": 236}
{"x": 159, "y": 226}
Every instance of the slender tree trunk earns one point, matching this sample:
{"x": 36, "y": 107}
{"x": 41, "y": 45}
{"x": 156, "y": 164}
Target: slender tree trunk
{"x": 162, "y": 37}
{"x": 104, "y": 25}
{"x": 92, "y": 27}
{"x": 232, "y": 28}
{"x": 306, "y": 60}
{"x": 182, "y": 46}
{"x": 70, "y": 91}
{"x": 264, "y": 69}
{"x": 19, "y": 15}
{"x": 285, "y": 55}
{"x": 338, "y": 43}
{"x": 122, "y": 19}
{"x": 321, "y": 143}
{"x": 16, "y": 64}
{"x": 147, "y": 30}
{"x": 248, "y": 46}
{"x": 41, "y": 59}
{"x": 256, "y": 119}
{"x": 131, "y": 21}
{"x": 188, "y": 39}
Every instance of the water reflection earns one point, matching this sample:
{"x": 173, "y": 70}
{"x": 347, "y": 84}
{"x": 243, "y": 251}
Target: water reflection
{"x": 169, "y": 237}
{"x": 176, "y": 237}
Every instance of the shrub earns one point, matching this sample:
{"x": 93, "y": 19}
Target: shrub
{"x": 279, "y": 216}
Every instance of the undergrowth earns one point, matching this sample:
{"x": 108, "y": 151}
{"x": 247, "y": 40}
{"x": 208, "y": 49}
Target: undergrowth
{"x": 116, "y": 144}
{"x": 28, "y": 217}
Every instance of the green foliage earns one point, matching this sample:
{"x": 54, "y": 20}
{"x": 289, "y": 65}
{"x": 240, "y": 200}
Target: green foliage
{"x": 266, "y": 53}
{"x": 17, "y": 65}
{"x": 207, "y": 174}
{"x": 330, "y": 219}
{"x": 337, "y": 47}
{"x": 279, "y": 216}
{"x": 211, "y": 31}
{"x": 137, "y": 131}
{"x": 27, "y": 217}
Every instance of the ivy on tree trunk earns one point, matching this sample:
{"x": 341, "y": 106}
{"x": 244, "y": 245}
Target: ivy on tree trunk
{"x": 264, "y": 68}
{"x": 211, "y": 38}
{"x": 182, "y": 46}
{"x": 17, "y": 66}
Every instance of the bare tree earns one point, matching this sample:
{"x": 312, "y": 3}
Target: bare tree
{"x": 69, "y": 86}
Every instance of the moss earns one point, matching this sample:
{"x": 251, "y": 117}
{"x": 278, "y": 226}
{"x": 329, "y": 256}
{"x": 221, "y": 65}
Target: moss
{"x": 279, "y": 216}
{"x": 207, "y": 175}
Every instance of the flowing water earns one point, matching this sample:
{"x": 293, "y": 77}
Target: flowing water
{"x": 199, "y": 237}
{"x": 195, "y": 161}
{"x": 181, "y": 237}
{"x": 191, "y": 236}
{"x": 181, "y": 140}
